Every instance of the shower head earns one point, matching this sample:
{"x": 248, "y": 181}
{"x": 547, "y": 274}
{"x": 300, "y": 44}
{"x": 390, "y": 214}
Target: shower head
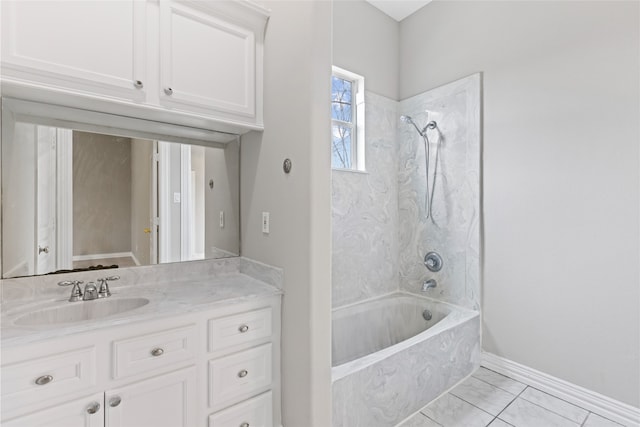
{"x": 431, "y": 125}
{"x": 408, "y": 119}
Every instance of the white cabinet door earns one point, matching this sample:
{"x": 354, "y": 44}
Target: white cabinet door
{"x": 165, "y": 401}
{"x": 86, "y": 412}
{"x": 88, "y": 46}
{"x": 206, "y": 62}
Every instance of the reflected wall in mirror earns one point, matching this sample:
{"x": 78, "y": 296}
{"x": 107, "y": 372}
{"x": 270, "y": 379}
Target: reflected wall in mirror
{"x": 75, "y": 199}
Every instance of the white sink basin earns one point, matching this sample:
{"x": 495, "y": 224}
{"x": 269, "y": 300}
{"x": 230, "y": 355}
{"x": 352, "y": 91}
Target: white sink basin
{"x": 80, "y": 311}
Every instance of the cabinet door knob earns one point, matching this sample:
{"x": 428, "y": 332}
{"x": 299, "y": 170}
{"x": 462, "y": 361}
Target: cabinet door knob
{"x": 244, "y": 425}
{"x": 115, "y": 401}
{"x": 168, "y": 91}
{"x": 138, "y": 84}
{"x": 243, "y": 328}
{"x": 41, "y": 250}
{"x": 243, "y": 373}
{"x": 45, "y": 379}
{"x": 93, "y": 408}
{"x": 157, "y": 352}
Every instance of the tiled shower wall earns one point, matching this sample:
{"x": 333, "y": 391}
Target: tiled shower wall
{"x": 380, "y": 230}
{"x": 453, "y": 230}
{"x": 365, "y": 213}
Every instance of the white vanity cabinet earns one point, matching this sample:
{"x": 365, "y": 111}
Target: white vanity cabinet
{"x": 83, "y": 412}
{"x": 193, "y": 63}
{"x": 217, "y": 367}
{"x": 165, "y": 400}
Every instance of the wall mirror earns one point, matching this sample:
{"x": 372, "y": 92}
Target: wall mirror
{"x": 78, "y": 195}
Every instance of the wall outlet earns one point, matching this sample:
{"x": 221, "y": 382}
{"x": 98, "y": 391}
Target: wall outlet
{"x": 221, "y": 219}
{"x": 265, "y": 222}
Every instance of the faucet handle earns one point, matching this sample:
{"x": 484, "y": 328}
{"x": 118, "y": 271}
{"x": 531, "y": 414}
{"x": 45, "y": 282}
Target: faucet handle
{"x": 76, "y": 293}
{"x": 104, "y": 291}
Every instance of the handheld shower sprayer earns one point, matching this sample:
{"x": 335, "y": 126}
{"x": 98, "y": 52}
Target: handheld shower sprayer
{"x": 428, "y": 203}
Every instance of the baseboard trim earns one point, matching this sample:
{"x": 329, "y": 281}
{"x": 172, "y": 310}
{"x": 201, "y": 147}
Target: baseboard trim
{"x": 91, "y": 257}
{"x": 580, "y": 396}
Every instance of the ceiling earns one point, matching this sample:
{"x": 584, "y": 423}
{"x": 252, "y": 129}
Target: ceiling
{"x": 398, "y": 9}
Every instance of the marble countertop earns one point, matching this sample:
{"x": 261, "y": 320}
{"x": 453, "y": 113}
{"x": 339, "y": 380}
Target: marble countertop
{"x": 165, "y": 299}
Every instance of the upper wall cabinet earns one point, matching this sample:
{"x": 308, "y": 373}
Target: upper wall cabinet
{"x": 97, "y": 47}
{"x": 222, "y": 76}
{"x": 193, "y": 63}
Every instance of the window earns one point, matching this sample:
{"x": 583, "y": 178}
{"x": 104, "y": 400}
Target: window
{"x": 347, "y": 120}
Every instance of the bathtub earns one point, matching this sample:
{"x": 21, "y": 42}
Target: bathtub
{"x": 389, "y": 361}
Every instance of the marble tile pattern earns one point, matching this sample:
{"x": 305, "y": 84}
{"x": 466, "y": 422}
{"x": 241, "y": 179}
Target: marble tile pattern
{"x": 385, "y": 393}
{"x": 43, "y": 287}
{"x": 476, "y": 401}
{"x": 454, "y": 228}
{"x": 165, "y": 298}
{"x": 365, "y": 213}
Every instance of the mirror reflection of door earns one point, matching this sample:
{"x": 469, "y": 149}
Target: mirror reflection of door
{"x": 77, "y": 199}
{"x": 181, "y": 194}
{"x": 46, "y": 200}
{"x": 54, "y": 203}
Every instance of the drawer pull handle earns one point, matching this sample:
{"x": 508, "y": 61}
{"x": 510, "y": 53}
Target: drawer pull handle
{"x": 138, "y": 84}
{"x": 243, "y": 328}
{"x": 45, "y": 379}
{"x": 244, "y": 425}
{"x": 157, "y": 352}
{"x": 243, "y": 373}
{"x": 93, "y": 408}
{"x": 115, "y": 401}
{"x": 168, "y": 91}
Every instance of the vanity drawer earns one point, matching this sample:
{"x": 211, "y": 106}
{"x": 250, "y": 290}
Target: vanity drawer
{"x": 256, "y": 412}
{"x": 36, "y": 380}
{"x": 238, "y": 376}
{"x": 153, "y": 351}
{"x": 230, "y": 331}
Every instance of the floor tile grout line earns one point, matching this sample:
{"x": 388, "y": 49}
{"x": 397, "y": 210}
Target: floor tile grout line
{"x": 476, "y": 406}
{"x": 427, "y": 416}
{"x": 559, "y": 398}
{"x": 514, "y": 399}
{"x": 498, "y": 387}
{"x": 554, "y": 412}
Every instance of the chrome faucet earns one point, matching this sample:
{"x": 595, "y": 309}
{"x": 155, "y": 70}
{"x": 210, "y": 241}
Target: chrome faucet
{"x": 90, "y": 292}
{"x": 428, "y": 284}
{"x": 104, "y": 291}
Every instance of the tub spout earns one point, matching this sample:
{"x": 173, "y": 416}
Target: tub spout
{"x": 428, "y": 284}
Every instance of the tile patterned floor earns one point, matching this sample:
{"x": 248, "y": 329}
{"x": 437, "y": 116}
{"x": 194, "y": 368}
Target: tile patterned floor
{"x": 491, "y": 399}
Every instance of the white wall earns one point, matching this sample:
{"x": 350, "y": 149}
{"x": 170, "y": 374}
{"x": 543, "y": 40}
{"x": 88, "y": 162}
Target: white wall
{"x": 561, "y": 182}
{"x": 365, "y": 41}
{"x": 297, "y": 93}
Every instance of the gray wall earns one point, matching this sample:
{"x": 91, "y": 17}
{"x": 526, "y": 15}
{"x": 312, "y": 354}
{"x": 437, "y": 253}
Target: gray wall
{"x": 364, "y": 253}
{"x": 365, "y": 41}
{"x": 297, "y": 89}
{"x": 141, "y": 162}
{"x": 222, "y": 166}
{"x": 561, "y": 184}
{"x": 101, "y": 194}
